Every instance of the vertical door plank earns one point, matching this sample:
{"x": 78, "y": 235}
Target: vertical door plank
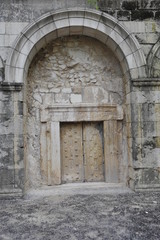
{"x": 71, "y": 152}
{"x": 93, "y": 152}
{"x": 111, "y": 151}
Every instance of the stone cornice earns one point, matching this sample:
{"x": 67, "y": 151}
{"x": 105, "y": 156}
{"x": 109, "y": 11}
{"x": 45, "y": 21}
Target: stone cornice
{"x": 11, "y": 86}
{"x": 146, "y": 82}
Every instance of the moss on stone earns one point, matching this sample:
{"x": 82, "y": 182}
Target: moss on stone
{"x": 123, "y": 15}
{"x": 130, "y": 5}
{"x": 141, "y": 15}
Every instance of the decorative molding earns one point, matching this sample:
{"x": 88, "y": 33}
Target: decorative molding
{"x": 146, "y": 82}
{"x": 11, "y": 86}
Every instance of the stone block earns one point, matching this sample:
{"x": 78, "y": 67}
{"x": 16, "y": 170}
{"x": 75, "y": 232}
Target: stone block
{"x": 18, "y": 124}
{"x": 116, "y": 37}
{"x": 6, "y": 150}
{"x": 146, "y": 152}
{"x": 28, "y": 46}
{"x": 74, "y": 30}
{"x": 6, "y": 178}
{"x": 9, "y": 39}
{"x": 77, "y": 90}
{"x": 157, "y": 15}
{"x": 66, "y": 90}
{"x": 152, "y": 27}
{"x": 63, "y": 31}
{"x": 107, "y": 4}
{"x": 90, "y": 23}
{"x": 135, "y": 27}
{"x": 125, "y": 48}
{"x": 76, "y": 98}
{"x": 19, "y": 178}
{"x": 131, "y": 61}
{"x": 6, "y": 107}
{"x": 147, "y": 38}
{"x": 62, "y": 98}
{"x": 55, "y": 90}
{"x": 148, "y": 128}
{"x": 2, "y": 40}
{"x": 14, "y": 27}
{"x": 130, "y": 5}
{"x": 146, "y": 49}
{"x": 95, "y": 94}
{"x": 123, "y": 15}
{"x": 141, "y": 15}
{"x": 148, "y": 112}
{"x": 4, "y": 52}
{"x": 2, "y": 28}
{"x": 104, "y": 28}
{"x": 146, "y": 177}
{"x": 48, "y": 99}
{"x": 76, "y": 21}
{"x": 20, "y": 108}
{"x": 6, "y": 124}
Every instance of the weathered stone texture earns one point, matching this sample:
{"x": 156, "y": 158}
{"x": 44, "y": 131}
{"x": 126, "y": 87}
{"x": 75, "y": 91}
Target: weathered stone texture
{"x": 70, "y": 70}
{"x": 145, "y": 109}
{"x": 11, "y": 144}
{"x": 6, "y": 141}
{"x": 26, "y": 11}
{"x": 75, "y": 70}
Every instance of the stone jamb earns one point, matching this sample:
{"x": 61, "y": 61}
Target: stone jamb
{"x": 54, "y": 115}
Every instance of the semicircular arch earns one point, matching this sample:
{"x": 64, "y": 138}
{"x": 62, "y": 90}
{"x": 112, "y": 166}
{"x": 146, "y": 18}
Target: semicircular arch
{"x": 77, "y": 21}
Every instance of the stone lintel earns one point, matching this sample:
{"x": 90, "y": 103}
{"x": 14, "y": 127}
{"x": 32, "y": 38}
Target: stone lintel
{"x": 81, "y": 112}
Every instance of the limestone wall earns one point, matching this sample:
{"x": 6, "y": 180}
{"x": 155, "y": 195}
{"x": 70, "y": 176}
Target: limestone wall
{"x": 142, "y": 106}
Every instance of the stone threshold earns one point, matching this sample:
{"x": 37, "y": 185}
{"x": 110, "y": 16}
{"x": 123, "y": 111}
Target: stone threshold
{"x": 78, "y": 189}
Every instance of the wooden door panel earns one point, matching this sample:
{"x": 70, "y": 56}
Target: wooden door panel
{"x": 93, "y": 151}
{"x": 71, "y": 152}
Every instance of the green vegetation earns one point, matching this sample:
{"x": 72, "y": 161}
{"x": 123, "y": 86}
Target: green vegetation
{"x": 94, "y": 3}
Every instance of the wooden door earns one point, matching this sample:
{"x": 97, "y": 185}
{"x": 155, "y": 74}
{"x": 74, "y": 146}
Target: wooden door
{"x": 71, "y": 152}
{"x": 82, "y": 155}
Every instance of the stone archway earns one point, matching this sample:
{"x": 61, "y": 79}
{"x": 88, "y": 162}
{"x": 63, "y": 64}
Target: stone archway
{"x": 75, "y": 94}
{"x": 78, "y": 22}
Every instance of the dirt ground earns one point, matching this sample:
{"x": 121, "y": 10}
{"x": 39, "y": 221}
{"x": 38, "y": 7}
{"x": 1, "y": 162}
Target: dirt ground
{"x": 77, "y": 216}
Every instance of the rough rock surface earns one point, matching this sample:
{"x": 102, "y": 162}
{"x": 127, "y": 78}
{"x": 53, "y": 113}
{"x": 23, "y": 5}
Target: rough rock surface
{"x": 82, "y": 216}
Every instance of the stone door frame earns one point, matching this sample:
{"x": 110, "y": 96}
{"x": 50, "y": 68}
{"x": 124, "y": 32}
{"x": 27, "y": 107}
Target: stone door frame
{"x": 51, "y": 118}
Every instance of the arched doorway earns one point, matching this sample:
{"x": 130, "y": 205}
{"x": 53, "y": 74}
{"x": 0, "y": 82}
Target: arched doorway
{"x": 75, "y": 89}
{"x": 103, "y": 87}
